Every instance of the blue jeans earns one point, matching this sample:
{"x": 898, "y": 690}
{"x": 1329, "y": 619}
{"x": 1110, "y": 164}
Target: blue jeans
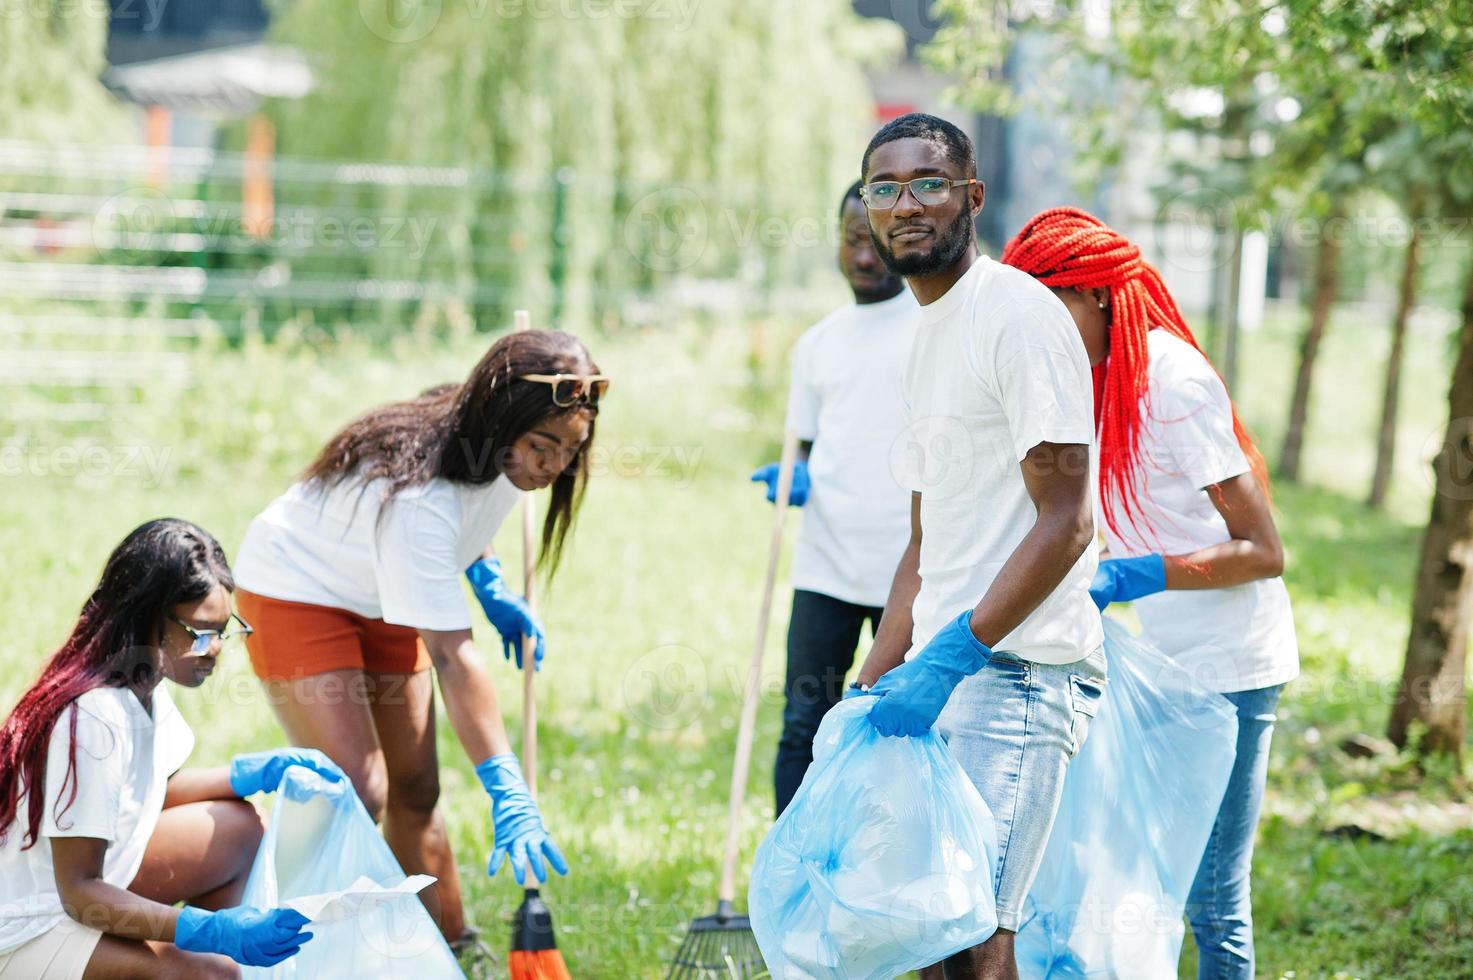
{"x": 1013, "y": 726}
{"x": 1219, "y": 906}
{"x": 822, "y": 635}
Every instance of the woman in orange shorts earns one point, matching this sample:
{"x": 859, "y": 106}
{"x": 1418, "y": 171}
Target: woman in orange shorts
{"x": 352, "y": 581}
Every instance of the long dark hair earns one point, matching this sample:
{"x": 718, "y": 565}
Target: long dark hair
{"x": 158, "y": 566}
{"x": 463, "y": 433}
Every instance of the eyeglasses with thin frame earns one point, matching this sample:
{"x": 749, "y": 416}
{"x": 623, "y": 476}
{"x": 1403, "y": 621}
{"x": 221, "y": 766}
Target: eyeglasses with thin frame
{"x": 570, "y": 389}
{"x": 204, "y": 639}
{"x": 881, "y": 195}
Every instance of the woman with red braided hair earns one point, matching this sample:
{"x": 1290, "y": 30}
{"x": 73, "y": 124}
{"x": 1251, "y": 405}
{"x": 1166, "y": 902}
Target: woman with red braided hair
{"x": 1190, "y": 535}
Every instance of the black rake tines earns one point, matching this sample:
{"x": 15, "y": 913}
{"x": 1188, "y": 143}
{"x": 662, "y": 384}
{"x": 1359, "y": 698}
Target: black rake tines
{"x": 718, "y": 947}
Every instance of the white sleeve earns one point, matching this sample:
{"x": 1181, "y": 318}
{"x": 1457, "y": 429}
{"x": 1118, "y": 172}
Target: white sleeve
{"x": 1040, "y": 373}
{"x": 96, "y": 780}
{"x": 803, "y": 397}
{"x": 415, "y": 564}
{"x": 1196, "y": 424}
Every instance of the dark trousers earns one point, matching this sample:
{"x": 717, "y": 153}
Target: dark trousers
{"x": 822, "y": 635}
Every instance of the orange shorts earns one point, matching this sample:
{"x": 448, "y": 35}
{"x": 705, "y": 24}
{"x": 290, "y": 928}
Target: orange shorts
{"x": 298, "y": 639}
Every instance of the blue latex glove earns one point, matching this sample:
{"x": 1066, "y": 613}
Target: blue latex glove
{"x": 246, "y": 935}
{"x": 261, "y": 772}
{"x": 520, "y": 835}
{"x": 913, "y": 694}
{"x": 1125, "y": 579}
{"x": 505, "y": 610}
{"x": 798, "y": 494}
{"x": 853, "y": 692}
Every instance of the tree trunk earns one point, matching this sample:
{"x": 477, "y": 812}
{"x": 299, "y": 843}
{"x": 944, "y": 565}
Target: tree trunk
{"x": 1406, "y": 299}
{"x": 1326, "y": 275}
{"x": 1231, "y": 315}
{"x": 1433, "y": 692}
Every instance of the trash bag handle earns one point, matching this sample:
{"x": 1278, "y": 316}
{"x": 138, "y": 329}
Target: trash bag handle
{"x": 745, "y": 730}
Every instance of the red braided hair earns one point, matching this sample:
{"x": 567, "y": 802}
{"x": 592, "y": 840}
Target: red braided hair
{"x": 1067, "y": 248}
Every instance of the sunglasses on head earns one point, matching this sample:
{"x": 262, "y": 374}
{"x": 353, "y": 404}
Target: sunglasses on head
{"x": 571, "y": 389}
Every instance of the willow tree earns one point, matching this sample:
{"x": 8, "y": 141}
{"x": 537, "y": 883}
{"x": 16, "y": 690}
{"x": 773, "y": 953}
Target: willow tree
{"x": 51, "y": 56}
{"x": 604, "y": 154}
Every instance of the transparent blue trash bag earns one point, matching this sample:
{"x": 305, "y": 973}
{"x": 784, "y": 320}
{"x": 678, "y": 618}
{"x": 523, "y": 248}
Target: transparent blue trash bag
{"x": 1139, "y": 802}
{"x": 321, "y": 839}
{"x": 882, "y": 863}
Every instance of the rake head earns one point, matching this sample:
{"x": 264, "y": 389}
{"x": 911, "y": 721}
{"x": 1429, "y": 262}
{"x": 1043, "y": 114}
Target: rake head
{"x": 718, "y": 947}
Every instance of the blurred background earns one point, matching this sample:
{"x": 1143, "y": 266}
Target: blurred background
{"x": 226, "y": 226}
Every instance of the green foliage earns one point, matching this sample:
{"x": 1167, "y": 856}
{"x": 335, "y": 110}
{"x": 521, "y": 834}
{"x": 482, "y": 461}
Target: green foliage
{"x": 603, "y": 155}
{"x": 51, "y": 53}
{"x": 1307, "y": 90}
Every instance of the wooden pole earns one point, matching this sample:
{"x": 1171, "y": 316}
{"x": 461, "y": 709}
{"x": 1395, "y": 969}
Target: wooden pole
{"x": 523, "y": 321}
{"x": 745, "y": 730}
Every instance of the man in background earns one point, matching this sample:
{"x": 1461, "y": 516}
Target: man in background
{"x": 845, "y": 405}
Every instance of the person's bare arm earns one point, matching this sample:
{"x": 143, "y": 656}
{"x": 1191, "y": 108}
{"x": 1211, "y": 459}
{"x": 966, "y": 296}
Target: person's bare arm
{"x": 892, "y": 638}
{"x": 93, "y": 902}
{"x": 1254, "y": 552}
{"x": 470, "y": 697}
{"x": 198, "y": 786}
{"x": 1057, "y": 478}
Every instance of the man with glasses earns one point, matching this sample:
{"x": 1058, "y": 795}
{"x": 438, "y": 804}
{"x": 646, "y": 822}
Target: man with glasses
{"x": 989, "y": 633}
{"x": 844, "y": 403}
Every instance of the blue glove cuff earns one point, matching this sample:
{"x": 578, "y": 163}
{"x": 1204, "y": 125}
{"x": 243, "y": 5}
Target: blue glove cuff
{"x": 1136, "y": 578}
{"x": 484, "y": 572}
{"x": 1155, "y": 567}
{"x": 501, "y": 773}
{"x": 190, "y": 927}
{"x": 980, "y": 652}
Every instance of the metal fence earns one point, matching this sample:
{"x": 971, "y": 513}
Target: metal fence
{"x": 115, "y": 260}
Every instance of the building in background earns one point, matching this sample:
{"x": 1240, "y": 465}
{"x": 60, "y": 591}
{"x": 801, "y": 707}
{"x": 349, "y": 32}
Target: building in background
{"x": 1026, "y": 161}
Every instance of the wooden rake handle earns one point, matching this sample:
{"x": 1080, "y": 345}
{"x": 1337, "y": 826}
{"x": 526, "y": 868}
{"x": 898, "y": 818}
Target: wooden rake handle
{"x": 523, "y": 321}
{"x": 727, "y": 892}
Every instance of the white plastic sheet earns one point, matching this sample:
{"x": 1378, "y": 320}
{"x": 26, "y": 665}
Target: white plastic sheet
{"x": 322, "y": 849}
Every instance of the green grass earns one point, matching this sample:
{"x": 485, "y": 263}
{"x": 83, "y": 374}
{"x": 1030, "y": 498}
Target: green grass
{"x": 651, "y": 620}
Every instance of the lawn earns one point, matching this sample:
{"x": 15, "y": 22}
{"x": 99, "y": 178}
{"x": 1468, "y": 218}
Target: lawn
{"x": 1362, "y": 868}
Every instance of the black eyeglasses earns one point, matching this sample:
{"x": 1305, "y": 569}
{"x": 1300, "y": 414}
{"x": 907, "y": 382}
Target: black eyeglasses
{"x": 882, "y": 194}
{"x": 570, "y": 389}
{"x": 204, "y": 639}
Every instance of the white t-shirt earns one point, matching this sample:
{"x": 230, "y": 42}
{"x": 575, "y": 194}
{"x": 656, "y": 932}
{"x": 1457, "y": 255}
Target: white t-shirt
{"x": 1234, "y": 639}
{"x": 328, "y": 547}
{"x": 997, "y": 368}
{"x": 845, "y": 396}
{"x": 125, "y": 757}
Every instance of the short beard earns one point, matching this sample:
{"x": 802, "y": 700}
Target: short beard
{"x": 889, "y": 288}
{"x": 954, "y": 241}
